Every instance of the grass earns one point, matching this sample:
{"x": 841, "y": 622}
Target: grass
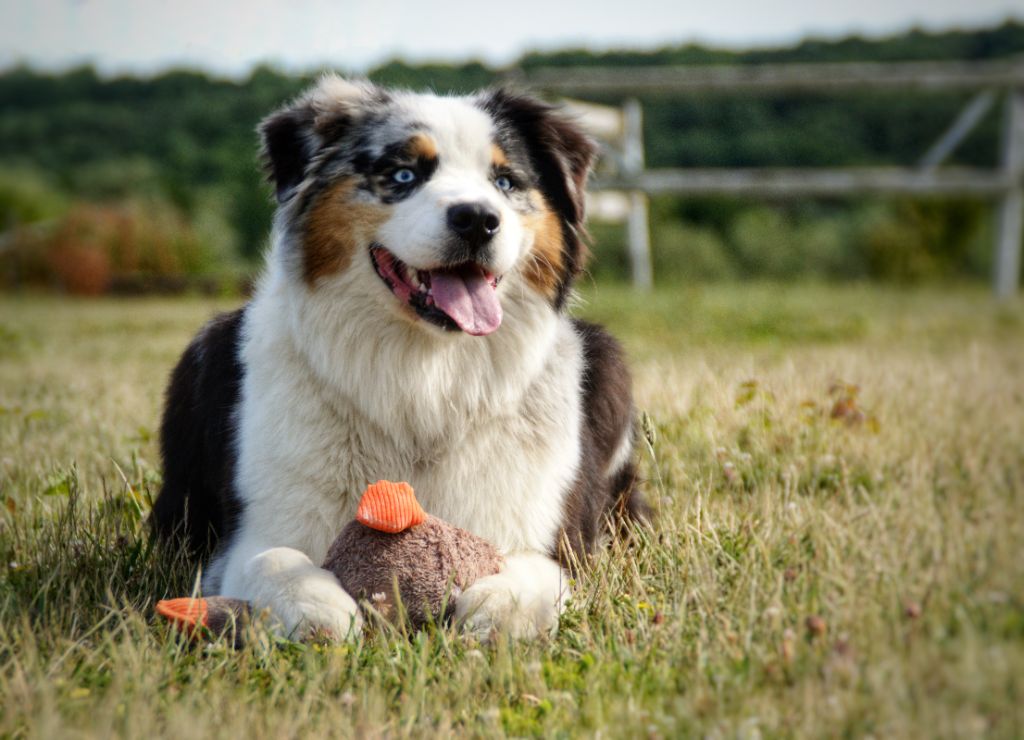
{"x": 838, "y": 473}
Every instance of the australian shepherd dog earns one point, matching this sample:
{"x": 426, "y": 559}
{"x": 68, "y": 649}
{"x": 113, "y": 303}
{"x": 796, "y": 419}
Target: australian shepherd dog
{"x": 410, "y": 325}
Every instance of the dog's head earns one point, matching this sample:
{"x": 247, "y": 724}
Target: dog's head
{"x": 450, "y": 201}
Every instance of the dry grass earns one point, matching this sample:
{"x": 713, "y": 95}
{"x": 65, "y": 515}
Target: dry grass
{"x": 809, "y": 576}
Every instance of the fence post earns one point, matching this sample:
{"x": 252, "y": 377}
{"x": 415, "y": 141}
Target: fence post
{"x": 1010, "y": 213}
{"x": 638, "y": 232}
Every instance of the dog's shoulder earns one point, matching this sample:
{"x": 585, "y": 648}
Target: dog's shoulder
{"x": 606, "y": 385}
{"x": 211, "y": 361}
{"x": 606, "y": 481}
{"x": 197, "y": 436}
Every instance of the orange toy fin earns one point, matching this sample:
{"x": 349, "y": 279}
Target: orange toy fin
{"x": 390, "y": 507}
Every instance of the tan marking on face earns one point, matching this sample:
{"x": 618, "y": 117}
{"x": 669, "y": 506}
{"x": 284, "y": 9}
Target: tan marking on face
{"x": 498, "y": 156}
{"x": 336, "y": 227}
{"x": 545, "y": 263}
{"x": 422, "y": 146}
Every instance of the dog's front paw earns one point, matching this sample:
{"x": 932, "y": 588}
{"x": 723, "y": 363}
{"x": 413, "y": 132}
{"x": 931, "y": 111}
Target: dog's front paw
{"x": 328, "y": 613}
{"x": 523, "y": 601}
{"x": 301, "y": 600}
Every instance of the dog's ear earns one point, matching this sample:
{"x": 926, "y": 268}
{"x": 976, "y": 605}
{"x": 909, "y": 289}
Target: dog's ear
{"x": 560, "y": 152}
{"x": 288, "y": 146}
{"x": 293, "y": 135}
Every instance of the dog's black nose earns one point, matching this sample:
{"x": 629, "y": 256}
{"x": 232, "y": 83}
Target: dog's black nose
{"x": 474, "y": 222}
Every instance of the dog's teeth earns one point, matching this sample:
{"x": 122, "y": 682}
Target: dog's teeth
{"x": 419, "y": 280}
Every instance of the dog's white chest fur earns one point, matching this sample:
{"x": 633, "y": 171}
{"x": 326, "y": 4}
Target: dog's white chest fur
{"x": 486, "y": 430}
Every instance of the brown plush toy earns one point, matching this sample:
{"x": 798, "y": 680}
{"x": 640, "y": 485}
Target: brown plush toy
{"x": 392, "y": 543}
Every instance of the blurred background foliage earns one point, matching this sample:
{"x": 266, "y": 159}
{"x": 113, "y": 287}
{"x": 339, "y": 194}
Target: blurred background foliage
{"x": 135, "y": 184}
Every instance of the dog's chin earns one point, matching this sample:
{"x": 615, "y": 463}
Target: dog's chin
{"x": 455, "y": 298}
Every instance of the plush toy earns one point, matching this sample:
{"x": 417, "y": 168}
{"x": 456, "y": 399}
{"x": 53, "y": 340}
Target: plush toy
{"x": 392, "y": 549}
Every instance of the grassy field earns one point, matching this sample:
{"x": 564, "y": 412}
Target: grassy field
{"x": 839, "y": 475}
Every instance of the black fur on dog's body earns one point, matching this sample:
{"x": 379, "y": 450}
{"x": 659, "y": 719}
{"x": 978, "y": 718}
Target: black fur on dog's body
{"x": 609, "y": 415}
{"x": 197, "y": 439}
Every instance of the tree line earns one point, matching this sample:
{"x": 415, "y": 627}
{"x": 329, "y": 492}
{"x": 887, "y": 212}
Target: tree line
{"x": 183, "y": 144}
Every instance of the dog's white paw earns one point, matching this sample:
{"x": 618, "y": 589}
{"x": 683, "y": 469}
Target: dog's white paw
{"x": 302, "y": 599}
{"x": 523, "y": 601}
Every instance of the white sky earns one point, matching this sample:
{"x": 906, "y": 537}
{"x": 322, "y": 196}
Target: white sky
{"x": 231, "y": 36}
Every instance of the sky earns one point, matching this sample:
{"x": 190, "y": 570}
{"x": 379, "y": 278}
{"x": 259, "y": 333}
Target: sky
{"x": 229, "y": 37}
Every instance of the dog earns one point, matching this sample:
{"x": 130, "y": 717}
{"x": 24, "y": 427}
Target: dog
{"x": 410, "y": 324}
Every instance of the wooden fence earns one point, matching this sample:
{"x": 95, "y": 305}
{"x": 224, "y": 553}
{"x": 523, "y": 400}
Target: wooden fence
{"x": 1003, "y": 185}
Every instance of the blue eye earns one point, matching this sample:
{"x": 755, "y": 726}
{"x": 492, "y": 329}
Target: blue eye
{"x": 503, "y": 183}
{"x": 404, "y": 176}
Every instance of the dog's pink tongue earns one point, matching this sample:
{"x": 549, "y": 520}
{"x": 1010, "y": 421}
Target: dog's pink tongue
{"x": 468, "y": 298}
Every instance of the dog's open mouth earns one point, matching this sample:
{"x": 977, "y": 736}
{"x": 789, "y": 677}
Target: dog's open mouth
{"x": 463, "y": 297}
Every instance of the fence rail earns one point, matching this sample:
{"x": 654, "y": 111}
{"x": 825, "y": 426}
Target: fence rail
{"x": 794, "y": 183}
{"x": 830, "y": 77}
{"x": 1004, "y": 184}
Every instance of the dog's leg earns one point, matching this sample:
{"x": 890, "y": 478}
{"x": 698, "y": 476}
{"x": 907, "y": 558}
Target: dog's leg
{"x": 301, "y": 597}
{"x": 524, "y": 600}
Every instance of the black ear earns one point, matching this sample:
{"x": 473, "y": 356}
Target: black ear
{"x": 289, "y": 143}
{"x": 559, "y": 151}
{"x": 293, "y": 135}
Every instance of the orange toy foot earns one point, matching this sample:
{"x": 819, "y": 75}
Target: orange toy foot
{"x": 390, "y": 507}
{"x": 187, "y": 614}
{"x": 210, "y": 617}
